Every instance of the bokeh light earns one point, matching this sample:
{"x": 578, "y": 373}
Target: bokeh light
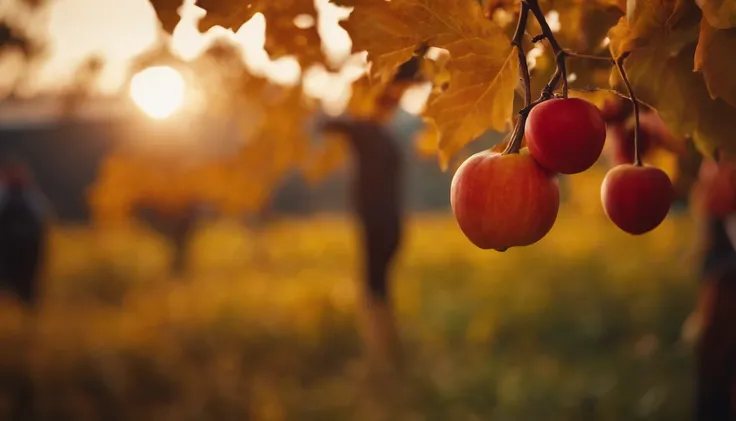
{"x": 158, "y": 91}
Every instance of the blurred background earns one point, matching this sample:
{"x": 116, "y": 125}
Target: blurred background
{"x": 199, "y": 265}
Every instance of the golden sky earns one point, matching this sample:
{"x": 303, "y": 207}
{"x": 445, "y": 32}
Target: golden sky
{"x": 116, "y": 29}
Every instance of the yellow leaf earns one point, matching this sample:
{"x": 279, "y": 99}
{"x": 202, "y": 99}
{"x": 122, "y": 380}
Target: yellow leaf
{"x": 680, "y": 96}
{"x": 714, "y": 57}
{"x": 482, "y": 65}
{"x": 673, "y": 23}
{"x": 363, "y": 99}
{"x": 283, "y": 36}
{"x": 721, "y": 14}
{"x": 326, "y": 159}
{"x": 480, "y": 97}
{"x": 426, "y": 141}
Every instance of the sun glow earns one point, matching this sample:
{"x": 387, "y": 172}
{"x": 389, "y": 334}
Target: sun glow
{"x": 158, "y": 91}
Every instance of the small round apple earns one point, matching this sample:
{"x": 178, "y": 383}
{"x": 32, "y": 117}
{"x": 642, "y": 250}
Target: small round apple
{"x": 718, "y": 184}
{"x": 502, "y": 201}
{"x": 565, "y": 135}
{"x": 636, "y": 198}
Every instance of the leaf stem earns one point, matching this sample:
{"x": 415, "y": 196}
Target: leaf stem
{"x": 518, "y": 134}
{"x": 635, "y": 103}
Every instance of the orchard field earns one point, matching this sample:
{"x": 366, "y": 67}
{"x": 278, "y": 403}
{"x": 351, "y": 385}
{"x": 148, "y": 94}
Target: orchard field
{"x": 584, "y": 325}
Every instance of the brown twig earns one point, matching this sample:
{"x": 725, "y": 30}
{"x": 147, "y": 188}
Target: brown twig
{"x": 518, "y": 134}
{"x": 560, "y": 54}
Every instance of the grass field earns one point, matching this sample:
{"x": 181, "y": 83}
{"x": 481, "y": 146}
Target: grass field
{"x": 585, "y": 325}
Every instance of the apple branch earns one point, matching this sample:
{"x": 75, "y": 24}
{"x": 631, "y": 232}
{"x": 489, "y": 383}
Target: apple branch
{"x": 525, "y": 78}
{"x": 635, "y": 103}
{"x": 613, "y": 92}
{"x": 560, "y": 54}
{"x": 560, "y": 74}
{"x": 517, "y": 43}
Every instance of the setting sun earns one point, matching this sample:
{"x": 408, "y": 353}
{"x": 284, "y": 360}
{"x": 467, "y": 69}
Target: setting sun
{"x": 158, "y": 91}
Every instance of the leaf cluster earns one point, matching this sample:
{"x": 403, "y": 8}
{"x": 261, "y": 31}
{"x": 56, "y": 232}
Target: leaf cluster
{"x": 679, "y": 60}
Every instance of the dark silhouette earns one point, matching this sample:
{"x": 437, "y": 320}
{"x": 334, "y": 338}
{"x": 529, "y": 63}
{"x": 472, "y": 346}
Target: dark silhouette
{"x": 376, "y": 191}
{"x": 716, "y": 345}
{"x": 375, "y": 196}
{"x": 22, "y": 234}
{"x": 177, "y": 226}
{"x": 716, "y": 350}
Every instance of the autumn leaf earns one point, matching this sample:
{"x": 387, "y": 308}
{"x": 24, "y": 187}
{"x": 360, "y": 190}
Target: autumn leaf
{"x": 482, "y": 64}
{"x": 721, "y": 14}
{"x": 330, "y": 155}
{"x": 476, "y": 101}
{"x": 673, "y": 23}
{"x": 365, "y": 93}
{"x": 283, "y": 35}
{"x": 426, "y": 140}
{"x": 680, "y": 96}
{"x": 714, "y": 57}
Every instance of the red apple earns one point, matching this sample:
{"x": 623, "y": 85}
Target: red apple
{"x": 719, "y": 187}
{"x": 616, "y": 109}
{"x": 503, "y": 201}
{"x": 636, "y": 198}
{"x": 565, "y": 135}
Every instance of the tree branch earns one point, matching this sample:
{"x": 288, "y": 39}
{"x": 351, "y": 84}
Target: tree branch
{"x": 518, "y": 133}
{"x": 517, "y": 42}
{"x": 569, "y": 53}
{"x": 614, "y": 92}
{"x": 559, "y": 53}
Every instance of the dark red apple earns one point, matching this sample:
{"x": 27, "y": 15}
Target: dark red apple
{"x": 718, "y": 187}
{"x": 616, "y": 110}
{"x": 503, "y": 201}
{"x": 565, "y": 135}
{"x": 636, "y": 198}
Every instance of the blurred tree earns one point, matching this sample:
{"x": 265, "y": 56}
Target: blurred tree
{"x": 83, "y": 85}
{"x": 16, "y": 39}
{"x": 714, "y": 202}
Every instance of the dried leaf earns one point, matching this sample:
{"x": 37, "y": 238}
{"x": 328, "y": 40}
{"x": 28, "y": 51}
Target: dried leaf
{"x": 680, "y": 96}
{"x": 482, "y": 64}
{"x": 283, "y": 36}
{"x": 721, "y": 14}
{"x": 715, "y": 58}
{"x": 674, "y": 23}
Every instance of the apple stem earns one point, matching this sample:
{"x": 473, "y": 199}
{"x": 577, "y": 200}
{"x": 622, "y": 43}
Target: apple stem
{"x": 514, "y": 145}
{"x": 517, "y": 136}
{"x": 620, "y": 66}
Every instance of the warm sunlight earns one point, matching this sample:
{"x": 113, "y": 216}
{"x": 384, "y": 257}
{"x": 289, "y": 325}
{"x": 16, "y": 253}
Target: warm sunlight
{"x": 158, "y": 91}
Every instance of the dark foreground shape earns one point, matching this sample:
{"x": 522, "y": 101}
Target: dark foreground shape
{"x": 177, "y": 226}
{"x": 376, "y": 197}
{"x": 716, "y": 349}
{"x": 22, "y": 237}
